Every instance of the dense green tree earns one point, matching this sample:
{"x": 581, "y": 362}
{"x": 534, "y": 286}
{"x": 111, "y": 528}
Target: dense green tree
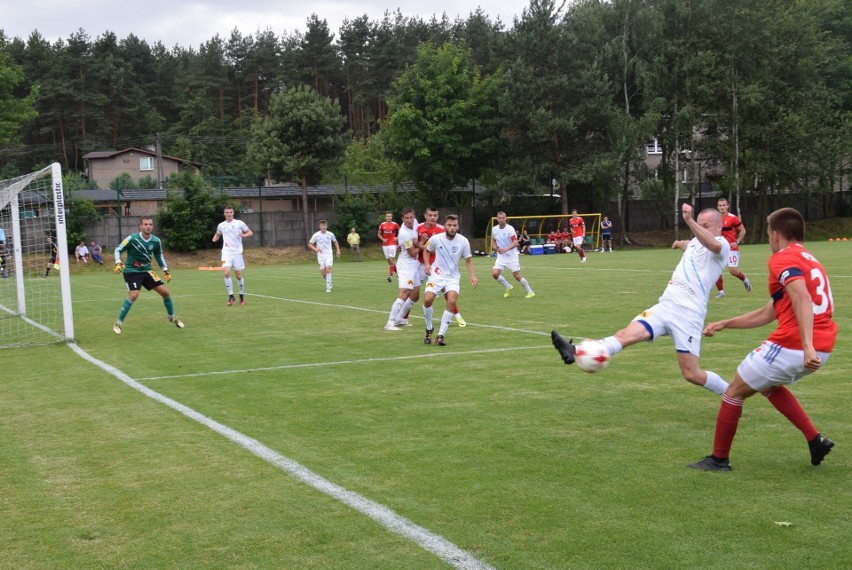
{"x": 367, "y": 162}
{"x": 299, "y": 139}
{"x": 191, "y": 209}
{"x": 443, "y": 127}
{"x": 319, "y": 58}
{"x": 14, "y": 110}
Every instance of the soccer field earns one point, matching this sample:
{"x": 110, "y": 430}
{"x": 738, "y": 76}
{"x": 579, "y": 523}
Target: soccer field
{"x": 294, "y": 432}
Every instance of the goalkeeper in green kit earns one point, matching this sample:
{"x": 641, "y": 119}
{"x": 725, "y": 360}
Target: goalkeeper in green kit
{"x": 141, "y": 248}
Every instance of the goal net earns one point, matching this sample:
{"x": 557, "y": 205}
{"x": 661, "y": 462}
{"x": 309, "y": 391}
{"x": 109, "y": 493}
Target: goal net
{"x": 35, "y": 286}
{"x": 539, "y": 227}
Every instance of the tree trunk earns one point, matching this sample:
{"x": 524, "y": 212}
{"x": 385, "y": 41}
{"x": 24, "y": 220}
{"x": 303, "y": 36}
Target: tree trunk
{"x": 305, "y": 217}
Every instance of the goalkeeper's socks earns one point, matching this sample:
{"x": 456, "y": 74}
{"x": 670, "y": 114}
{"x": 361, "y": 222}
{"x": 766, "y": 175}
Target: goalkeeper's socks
{"x": 125, "y": 308}
{"x": 170, "y": 306}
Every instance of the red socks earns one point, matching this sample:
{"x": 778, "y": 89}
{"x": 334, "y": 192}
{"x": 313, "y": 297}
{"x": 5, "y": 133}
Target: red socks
{"x": 786, "y": 403}
{"x": 726, "y": 426}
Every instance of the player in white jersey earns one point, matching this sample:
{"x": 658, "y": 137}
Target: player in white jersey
{"x": 506, "y": 245}
{"x": 682, "y": 307}
{"x": 443, "y": 274}
{"x": 232, "y": 233}
{"x": 322, "y": 243}
{"x": 407, "y": 272}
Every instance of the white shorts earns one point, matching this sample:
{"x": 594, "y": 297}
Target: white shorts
{"x": 408, "y": 275}
{"x": 325, "y": 260}
{"x": 234, "y": 260}
{"x": 441, "y": 285}
{"x": 771, "y": 365}
{"x": 734, "y": 258}
{"x": 510, "y": 262}
{"x": 578, "y": 241}
{"x": 668, "y": 320}
{"x": 389, "y": 251}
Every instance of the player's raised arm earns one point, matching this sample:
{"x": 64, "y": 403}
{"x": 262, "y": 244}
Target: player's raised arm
{"x": 711, "y": 219}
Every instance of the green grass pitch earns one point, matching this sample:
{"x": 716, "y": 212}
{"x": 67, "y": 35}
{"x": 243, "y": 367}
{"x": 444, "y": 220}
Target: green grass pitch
{"x": 490, "y": 442}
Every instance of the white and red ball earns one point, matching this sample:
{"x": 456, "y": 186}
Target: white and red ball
{"x": 591, "y": 355}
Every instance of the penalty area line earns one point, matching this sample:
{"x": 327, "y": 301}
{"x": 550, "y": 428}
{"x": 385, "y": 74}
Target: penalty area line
{"x": 339, "y": 363}
{"x": 384, "y": 516}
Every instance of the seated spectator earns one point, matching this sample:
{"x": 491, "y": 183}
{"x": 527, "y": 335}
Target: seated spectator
{"x": 524, "y": 243}
{"x": 567, "y": 242}
{"x": 82, "y": 253}
{"x": 96, "y": 252}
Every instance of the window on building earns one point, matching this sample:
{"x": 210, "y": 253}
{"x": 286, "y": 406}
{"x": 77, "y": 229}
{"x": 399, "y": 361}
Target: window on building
{"x": 653, "y": 147}
{"x": 146, "y": 163}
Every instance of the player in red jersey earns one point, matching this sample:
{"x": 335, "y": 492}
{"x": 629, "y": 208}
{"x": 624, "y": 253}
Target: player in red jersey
{"x": 567, "y": 244}
{"x": 578, "y": 233}
{"x": 388, "y": 231}
{"x": 801, "y": 301}
{"x": 734, "y": 231}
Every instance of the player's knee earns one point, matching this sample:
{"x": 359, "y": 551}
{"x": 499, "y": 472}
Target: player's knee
{"x": 694, "y": 376}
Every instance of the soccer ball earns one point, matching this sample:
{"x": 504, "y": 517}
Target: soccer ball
{"x": 591, "y": 355}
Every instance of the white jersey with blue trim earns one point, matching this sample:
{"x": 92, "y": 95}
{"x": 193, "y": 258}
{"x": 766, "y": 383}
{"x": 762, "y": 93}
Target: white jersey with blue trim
{"x": 503, "y": 238}
{"x": 693, "y": 279}
{"x": 324, "y": 242}
{"x": 448, "y": 253}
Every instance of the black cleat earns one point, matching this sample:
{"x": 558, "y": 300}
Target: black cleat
{"x": 820, "y": 446}
{"x": 566, "y": 349}
{"x": 440, "y": 340}
{"x": 390, "y": 278}
{"x": 428, "y": 338}
{"x": 711, "y": 463}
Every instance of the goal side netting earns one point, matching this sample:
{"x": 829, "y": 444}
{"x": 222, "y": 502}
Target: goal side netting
{"x": 539, "y": 227}
{"x": 35, "y": 283}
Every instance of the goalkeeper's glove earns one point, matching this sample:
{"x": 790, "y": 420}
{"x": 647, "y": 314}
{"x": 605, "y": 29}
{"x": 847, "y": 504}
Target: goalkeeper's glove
{"x": 167, "y": 276}
{"x": 119, "y": 267}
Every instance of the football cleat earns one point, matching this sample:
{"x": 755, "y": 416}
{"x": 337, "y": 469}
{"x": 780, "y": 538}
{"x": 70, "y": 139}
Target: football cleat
{"x": 428, "y": 338}
{"x": 403, "y": 323}
{"x": 116, "y": 328}
{"x": 391, "y": 327}
{"x": 711, "y": 463}
{"x": 440, "y": 340}
{"x": 230, "y": 300}
{"x": 328, "y": 289}
{"x": 177, "y": 322}
{"x": 390, "y": 278}
{"x": 462, "y": 323}
{"x": 720, "y": 295}
{"x": 508, "y": 292}
{"x": 566, "y": 349}
{"x": 583, "y": 260}
{"x": 820, "y": 446}
{"x": 242, "y": 301}
{"x": 747, "y": 285}
{"x": 530, "y": 295}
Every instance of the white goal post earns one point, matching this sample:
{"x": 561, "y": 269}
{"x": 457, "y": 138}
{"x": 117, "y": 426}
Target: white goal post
{"x": 35, "y": 291}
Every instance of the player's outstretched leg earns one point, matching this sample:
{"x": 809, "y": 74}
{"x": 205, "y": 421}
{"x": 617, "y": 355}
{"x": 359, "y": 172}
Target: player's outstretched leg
{"x": 565, "y": 348}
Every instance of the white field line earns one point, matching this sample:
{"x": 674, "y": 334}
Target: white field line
{"x": 341, "y": 362}
{"x": 385, "y": 312}
{"x": 429, "y": 541}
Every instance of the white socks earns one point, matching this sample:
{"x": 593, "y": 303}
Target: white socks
{"x": 714, "y": 383}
